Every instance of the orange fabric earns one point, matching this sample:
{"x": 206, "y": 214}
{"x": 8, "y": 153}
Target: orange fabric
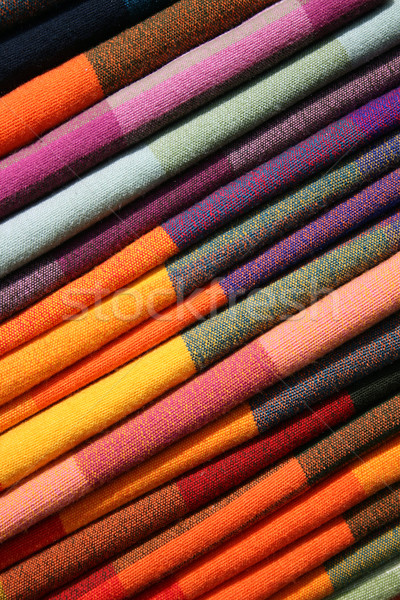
{"x": 72, "y": 340}
{"x": 149, "y": 251}
{"x": 229, "y": 431}
{"x": 113, "y": 355}
{"x": 154, "y": 566}
{"x": 294, "y": 520}
{"x": 273, "y": 574}
{"x": 315, "y": 585}
{"x": 45, "y": 101}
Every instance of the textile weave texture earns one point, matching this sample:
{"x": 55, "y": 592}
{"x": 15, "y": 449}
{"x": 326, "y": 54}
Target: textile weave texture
{"x": 17, "y": 12}
{"x": 83, "y": 24}
{"x": 140, "y": 109}
{"x": 30, "y": 233}
{"x": 55, "y": 96}
{"x": 194, "y": 268}
{"x": 269, "y": 358}
{"x": 147, "y": 563}
{"x": 99, "y": 242}
{"x": 93, "y": 545}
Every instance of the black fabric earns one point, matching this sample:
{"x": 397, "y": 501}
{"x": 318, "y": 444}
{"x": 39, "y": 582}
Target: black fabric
{"x": 376, "y": 387}
{"x": 54, "y": 40}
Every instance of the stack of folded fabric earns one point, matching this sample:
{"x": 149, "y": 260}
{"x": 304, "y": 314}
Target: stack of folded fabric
{"x": 199, "y": 299}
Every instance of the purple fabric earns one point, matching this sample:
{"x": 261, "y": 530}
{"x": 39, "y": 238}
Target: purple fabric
{"x": 128, "y": 116}
{"x": 78, "y": 255}
{"x": 371, "y": 202}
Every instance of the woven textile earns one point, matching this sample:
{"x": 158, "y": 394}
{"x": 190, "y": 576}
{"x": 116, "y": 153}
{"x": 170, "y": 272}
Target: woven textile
{"x": 308, "y": 157}
{"x": 147, "y": 563}
{"x": 382, "y": 584}
{"x": 347, "y": 567}
{"x": 271, "y": 357}
{"x": 39, "y": 228}
{"x": 100, "y": 241}
{"x": 377, "y": 347}
{"x": 55, "y": 96}
{"x": 182, "y": 85}
{"x": 194, "y": 268}
{"x": 93, "y": 545}
{"x": 63, "y": 426}
{"x": 16, "y": 12}
{"x": 278, "y": 533}
{"x": 83, "y": 24}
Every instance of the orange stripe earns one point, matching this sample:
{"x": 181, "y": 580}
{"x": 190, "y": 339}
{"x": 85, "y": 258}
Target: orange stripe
{"x": 148, "y": 252}
{"x": 313, "y": 586}
{"x": 293, "y": 521}
{"x": 46, "y": 101}
{"x": 281, "y": 483}
{"x": 233, "y": 429}
{"x": 273, "y": 574}
{"x": 113, "y": 355}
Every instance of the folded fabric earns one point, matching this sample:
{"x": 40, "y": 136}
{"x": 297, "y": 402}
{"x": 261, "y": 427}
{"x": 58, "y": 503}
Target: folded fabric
{"x": 268, "y": 359}
{"x": 83, "y": 24}
{"x": 382, "y": 584}
{"x": 182, "y": 85}
{"x": 346, "y": 568}
{"x": 49, "y": 354}
{"x": 63, "y": 426}
{"x": 360, "y": 357}
{"x": 221, "y": 251}
{"x": 16, "y": 12}
{"x": 55, "y": 96}
{"x": 272, "y": 573}
{"x": 37, "y": 229}
{"x": 253, "y": 549}
{"x": 195, "y": 267}
{"x": 303, "y": 473}
{"x": 93, "y": 545}
{"x": 100, "y": 241}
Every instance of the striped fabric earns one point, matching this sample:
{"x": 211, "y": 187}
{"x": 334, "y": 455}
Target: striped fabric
{"x": 347, "y": 567}
{"x": 321, "y": 150}
{"x": 329, "y": 536}
{"x": 39, "y": 228}
{"x": 86, "y": 250}
{"x": 94, "y": 544}
{"x": 84, "y": 24}
{"x": 194, "y": 268}
{"x": 374, "y": 349}
{"x": 383, "y": 584}
{"x": 16, "y": 12}
{"x": 55, "y": 431}
{"x": 199, "y": 300}
{"x": 271, "y": 357}
{"x": 147, "y": 563}
{"x": 143, "y": 107}
{"x": 55, "y": 96}
{"x": 221, "y": 251}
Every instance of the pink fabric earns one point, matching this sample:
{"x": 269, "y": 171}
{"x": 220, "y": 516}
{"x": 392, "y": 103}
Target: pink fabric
{"x": 302, "y": 339}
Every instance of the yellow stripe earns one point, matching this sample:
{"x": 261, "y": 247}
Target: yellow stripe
{"x": 313, "y": 586}
{"x": 379, "y": 467}
{"x": 68, "y": 342}
{"x": 63, "y": 426}
{"x": 235, "y": 428}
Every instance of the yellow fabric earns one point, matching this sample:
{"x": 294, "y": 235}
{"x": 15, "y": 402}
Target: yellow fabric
{"x": 60, "y": 347}
{"x": 94, "y": 408}
{"x": 227, "y": 432}
{"x": 380, "y": 466}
